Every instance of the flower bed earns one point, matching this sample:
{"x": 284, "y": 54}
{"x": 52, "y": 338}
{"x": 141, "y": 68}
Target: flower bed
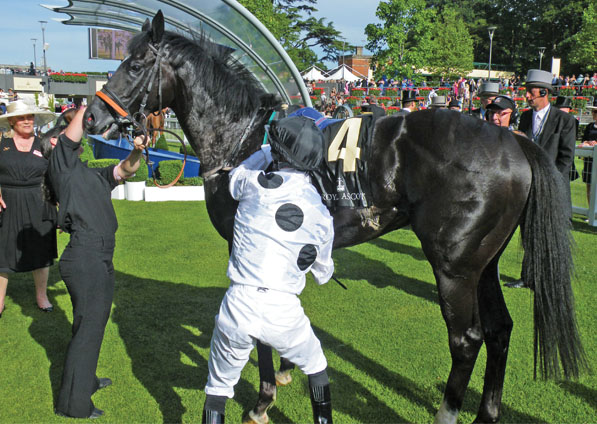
{"x": 68, "y": 77}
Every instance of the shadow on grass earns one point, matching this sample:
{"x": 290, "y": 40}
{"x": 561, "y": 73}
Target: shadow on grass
{"x": 51, "y": 330}
{"x": 472, "y": 400}
{"x": 392, "y": 246}
{"x": 355, "y": 266}
{"x": 589, "y": 395}
{"x": 162, "y": 324}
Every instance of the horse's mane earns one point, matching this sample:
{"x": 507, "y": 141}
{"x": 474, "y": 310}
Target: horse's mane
{"x": 226, "y": 79}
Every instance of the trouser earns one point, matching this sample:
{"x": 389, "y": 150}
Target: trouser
{"x": 248, "y": 314}
{"x": 87, "y": 270}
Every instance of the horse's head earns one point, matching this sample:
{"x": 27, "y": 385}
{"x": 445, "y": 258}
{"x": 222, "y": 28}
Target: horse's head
{"x": 138, "y": 87}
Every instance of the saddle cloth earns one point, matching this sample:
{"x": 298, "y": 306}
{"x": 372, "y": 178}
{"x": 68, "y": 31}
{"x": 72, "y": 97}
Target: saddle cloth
{"x": 344, "y": 181}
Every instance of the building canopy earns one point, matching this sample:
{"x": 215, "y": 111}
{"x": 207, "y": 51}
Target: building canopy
{"x": 224, "y": 21}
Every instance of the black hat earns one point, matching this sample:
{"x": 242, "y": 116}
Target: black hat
{"x": 454, "y": 103}
{"x": 502, "y": 102}
{"x": 298, "y": 142}
{"x": 563, "y": 101}
{"x": 408, "y": 96}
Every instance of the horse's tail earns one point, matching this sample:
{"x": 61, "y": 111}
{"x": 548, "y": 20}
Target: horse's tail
{"x": 548, "y": 267}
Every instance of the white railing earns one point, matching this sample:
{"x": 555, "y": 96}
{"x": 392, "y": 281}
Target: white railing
{"x": 589, "y": 212}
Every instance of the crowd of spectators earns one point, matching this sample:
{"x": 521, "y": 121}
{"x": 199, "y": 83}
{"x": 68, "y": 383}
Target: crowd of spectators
{"x": 462, "y": 90}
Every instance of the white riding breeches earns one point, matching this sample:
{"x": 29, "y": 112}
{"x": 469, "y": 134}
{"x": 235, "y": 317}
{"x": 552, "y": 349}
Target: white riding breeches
{"x": 275, "y": 318}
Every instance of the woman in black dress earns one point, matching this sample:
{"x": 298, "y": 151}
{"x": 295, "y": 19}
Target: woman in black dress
{"x": 27, "y": 223}
{"x": 87, "y": 214}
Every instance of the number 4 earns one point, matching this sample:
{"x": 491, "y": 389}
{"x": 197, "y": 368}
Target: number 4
{"x": 351, "y": 152}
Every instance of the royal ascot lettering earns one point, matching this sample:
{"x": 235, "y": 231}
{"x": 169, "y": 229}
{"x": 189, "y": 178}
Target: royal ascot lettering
{"x": 343, "y": 196}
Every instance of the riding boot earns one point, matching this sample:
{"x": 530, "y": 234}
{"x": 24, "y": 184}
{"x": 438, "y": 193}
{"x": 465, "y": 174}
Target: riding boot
{"x": 214, "y": 409}
{"x": 321, "y": 399}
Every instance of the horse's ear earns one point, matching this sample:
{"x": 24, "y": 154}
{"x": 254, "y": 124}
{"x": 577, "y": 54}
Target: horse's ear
{"x": 223, "y": 50}
{"x": 146, "y": 25}
{"x": 157, "y": 27}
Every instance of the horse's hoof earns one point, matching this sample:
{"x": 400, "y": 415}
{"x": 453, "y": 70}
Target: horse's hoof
{"x": 253, "y": 418}
{"x": 283, "y": 378}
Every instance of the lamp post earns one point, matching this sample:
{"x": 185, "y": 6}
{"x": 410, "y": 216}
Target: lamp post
{"x": 491, "y": 30}
{"x": 34, "y": 54}
{"x": 541, "y": 53}
{"x": 43, "y": 37}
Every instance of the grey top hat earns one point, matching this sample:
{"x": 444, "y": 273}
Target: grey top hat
{"x": 539, "y": 78}
{"x": 489, "y": 89}
{"x": 438, "y": 101}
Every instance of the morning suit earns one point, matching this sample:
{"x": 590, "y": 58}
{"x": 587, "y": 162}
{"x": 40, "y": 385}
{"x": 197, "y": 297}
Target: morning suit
{"x": 558, "y": 137}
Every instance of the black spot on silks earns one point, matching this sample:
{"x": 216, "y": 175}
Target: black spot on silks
{"x": 289, "y": 217}
{"x": 269, "y": 180}
{"x": 306, "y": 257}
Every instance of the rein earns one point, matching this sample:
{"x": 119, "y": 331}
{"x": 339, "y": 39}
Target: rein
{"x": 125, "y": 118}
{"x": 228, "y": 164}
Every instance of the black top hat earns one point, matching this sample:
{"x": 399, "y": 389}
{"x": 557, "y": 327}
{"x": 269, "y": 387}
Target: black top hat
{"x": 454, "y": 103}
{"x": 408, "y": 96}
{"x": 502, "y": 102}
{"x": 563, "y": 101}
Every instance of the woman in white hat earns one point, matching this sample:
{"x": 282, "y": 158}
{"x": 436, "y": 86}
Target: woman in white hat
{"x": 27, "y": 223}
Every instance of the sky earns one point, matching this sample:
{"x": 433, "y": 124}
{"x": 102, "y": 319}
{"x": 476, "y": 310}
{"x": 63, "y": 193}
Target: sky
{"x": 68, "y": 44}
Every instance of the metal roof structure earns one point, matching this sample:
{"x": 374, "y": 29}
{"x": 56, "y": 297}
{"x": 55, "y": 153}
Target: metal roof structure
{"x": 225, "y": 21}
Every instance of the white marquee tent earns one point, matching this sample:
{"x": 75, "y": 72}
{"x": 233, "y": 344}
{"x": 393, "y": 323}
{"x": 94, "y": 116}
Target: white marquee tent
{"x": 344, "y": 72}
{"x": 313, "y": 74}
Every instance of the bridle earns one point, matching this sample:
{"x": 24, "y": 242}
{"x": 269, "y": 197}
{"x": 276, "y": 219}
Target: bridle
{"x": 138, "y": 120}
{"x": 125, "y": 118}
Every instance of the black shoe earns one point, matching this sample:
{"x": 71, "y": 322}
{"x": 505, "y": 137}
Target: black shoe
{"x": 104, "y": 382}
{"x": 516, "y": 284}
{"x": 48, "y": 309}
{"x": 95, "y": 414}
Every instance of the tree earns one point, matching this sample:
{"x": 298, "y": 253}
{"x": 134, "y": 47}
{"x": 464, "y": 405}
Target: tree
{"x": 452, "y": 54}
{"x": 291, "y": 23}
{"x": 401, "y": 43}
{"x": 583, "y": 45}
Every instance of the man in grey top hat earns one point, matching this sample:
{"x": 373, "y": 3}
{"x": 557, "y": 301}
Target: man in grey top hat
{"x": 550, "y": 128}
{"x": 487, "y": 93}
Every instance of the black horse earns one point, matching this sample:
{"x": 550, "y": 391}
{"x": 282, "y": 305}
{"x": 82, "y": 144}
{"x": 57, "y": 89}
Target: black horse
{"x": 462, "y": 184}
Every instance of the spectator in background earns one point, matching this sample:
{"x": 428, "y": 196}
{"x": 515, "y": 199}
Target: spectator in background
{"x": 502, "y": 112}
{"x": 589, "y": 139}
{"x": 28, "y": 223}
{"x": 550, "y": 128}
{"x": 409, "y": 101}
{"x": 454, "y": 105}
{"x": 487, "y": 92}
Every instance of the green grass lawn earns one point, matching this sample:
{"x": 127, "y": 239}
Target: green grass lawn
{"x": 384, "y": 337}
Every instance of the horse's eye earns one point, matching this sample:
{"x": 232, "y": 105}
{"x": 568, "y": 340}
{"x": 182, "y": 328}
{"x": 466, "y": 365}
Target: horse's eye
{"x": 135, "y": 67}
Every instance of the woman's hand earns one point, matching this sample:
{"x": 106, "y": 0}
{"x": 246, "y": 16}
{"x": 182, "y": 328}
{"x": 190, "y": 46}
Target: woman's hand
{"x": 2, "y": 204}
{"x": 139, "y": 142}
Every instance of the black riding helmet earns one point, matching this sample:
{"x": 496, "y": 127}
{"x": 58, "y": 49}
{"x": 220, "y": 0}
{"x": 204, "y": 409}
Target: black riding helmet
{"x": 297, "y": 142}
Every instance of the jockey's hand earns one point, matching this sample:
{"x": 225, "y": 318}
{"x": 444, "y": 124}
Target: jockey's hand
{"x": 2, "y": 204}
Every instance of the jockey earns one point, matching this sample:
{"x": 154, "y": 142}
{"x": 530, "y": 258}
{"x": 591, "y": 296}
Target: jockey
{"x": 281, "y": 231}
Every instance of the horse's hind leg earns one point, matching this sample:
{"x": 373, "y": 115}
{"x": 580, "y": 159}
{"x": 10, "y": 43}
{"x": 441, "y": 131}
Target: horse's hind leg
{"x": 458, "y": 301}
{"x": 267, "y": 386}
{"x": 283, "y": 377}
{"x": 497, "y": 326}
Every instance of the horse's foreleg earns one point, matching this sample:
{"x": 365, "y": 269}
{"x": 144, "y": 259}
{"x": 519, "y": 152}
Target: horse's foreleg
{"x": 497, "y": 326}
{"x": 267, "y": 386}
{"x": 458, "y": 301}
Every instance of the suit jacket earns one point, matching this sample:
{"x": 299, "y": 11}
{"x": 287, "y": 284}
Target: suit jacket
{"x": 558, "y": 138}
